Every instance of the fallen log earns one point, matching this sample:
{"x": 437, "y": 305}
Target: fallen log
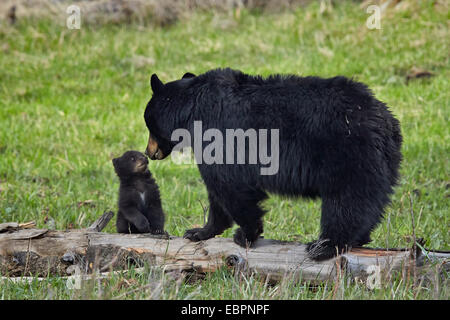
{"x": 42, "y": 252}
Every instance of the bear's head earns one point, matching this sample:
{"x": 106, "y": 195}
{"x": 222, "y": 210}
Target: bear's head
{"x": 160, "y": 114}
{"x": 130, "y": 163}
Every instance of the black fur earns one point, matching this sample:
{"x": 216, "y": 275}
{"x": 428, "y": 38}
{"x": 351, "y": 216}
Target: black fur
{"x": 337, "y": 142}
{"x": 140, "y": 208}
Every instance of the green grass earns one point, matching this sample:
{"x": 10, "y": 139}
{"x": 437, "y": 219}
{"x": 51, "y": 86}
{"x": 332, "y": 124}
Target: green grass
{"x": 73, "y": 99}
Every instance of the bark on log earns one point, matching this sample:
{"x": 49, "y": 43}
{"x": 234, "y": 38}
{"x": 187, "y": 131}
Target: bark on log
{"x": 41, "y": 252}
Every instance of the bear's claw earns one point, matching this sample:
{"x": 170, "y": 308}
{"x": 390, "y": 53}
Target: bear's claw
{"x": 323, "y": 249}
{"x": 240, "y": 238}
{"x": 197, "y": 234}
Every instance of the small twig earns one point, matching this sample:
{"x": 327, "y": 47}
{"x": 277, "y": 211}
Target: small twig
{"x": 27, "y": 225}
{"x": 205, "y": 210}
{"x": 101, "y": 222}
{"x": 337, "y": 281}
{"x": 111, "y": 263}
{"x": 388, "y": 233}
{"x": 146, "y": 286}
{"x": 28, "y": 257}
{"x": 414, "y": 253}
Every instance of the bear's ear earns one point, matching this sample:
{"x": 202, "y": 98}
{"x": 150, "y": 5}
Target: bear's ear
{"x": 155, "y": 83}
{"x": 115, "y": 162}
{"x": 188, "y": 75}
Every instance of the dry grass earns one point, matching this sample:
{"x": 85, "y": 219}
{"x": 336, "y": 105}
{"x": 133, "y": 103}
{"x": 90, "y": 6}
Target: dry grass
{"x": 154, "y": 12}
{"x": 167, "y": 12}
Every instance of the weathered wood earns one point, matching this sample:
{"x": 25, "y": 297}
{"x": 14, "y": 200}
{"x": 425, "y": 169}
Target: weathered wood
{"x": 101, "y": 222}
{"x": 41, "y": 252}
{"x": 38, "y": 251}
{"x": 8, "y": 226}
{"x": 11, "y": 226}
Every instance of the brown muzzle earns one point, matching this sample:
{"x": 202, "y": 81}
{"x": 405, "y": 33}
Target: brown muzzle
{"x": 153, "y": 151}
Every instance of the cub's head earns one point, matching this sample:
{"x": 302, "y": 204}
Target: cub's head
{"x": 130, "y": 163}
{"x": 160, "y": 113}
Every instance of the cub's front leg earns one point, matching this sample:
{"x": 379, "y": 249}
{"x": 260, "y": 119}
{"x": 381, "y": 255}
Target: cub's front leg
{"x": 136, "y": 218}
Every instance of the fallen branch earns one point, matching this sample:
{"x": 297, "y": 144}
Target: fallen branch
{"x": 41, "y": 252}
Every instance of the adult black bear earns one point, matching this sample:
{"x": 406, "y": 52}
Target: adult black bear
{"x": 336, "y": 142}
{"x": 140, "y": 208}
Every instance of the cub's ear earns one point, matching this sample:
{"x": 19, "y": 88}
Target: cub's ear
{"x": 155, "y": 83}
{"x": 188, "y": 75}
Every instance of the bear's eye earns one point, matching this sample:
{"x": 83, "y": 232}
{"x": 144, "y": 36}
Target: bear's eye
{"x": 132, "y": 159}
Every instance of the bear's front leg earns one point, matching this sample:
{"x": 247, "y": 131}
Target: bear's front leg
{"x": 218, "y": 221}
{"x": 346, "y": 222}
{"x": 244, "y": 209}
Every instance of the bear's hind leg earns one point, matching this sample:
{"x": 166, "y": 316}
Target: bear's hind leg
{"x": 246, "y": 239}
{"x": 244, "y": 209}
{"x": 363, "y": 239}
{"x": 344, "y": 224}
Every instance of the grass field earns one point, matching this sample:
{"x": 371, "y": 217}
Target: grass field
{"x": 73, "y": 99}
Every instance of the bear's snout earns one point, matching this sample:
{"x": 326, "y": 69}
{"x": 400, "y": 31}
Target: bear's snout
{"x": 153, "y": 151}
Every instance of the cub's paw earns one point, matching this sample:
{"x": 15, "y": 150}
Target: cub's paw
{"x": 241, "y": 239}
{"x": 198, "y": 234}
{"x": 323, "y": 249}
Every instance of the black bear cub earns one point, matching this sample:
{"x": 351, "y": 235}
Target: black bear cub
{"x": 140, "y": 208}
